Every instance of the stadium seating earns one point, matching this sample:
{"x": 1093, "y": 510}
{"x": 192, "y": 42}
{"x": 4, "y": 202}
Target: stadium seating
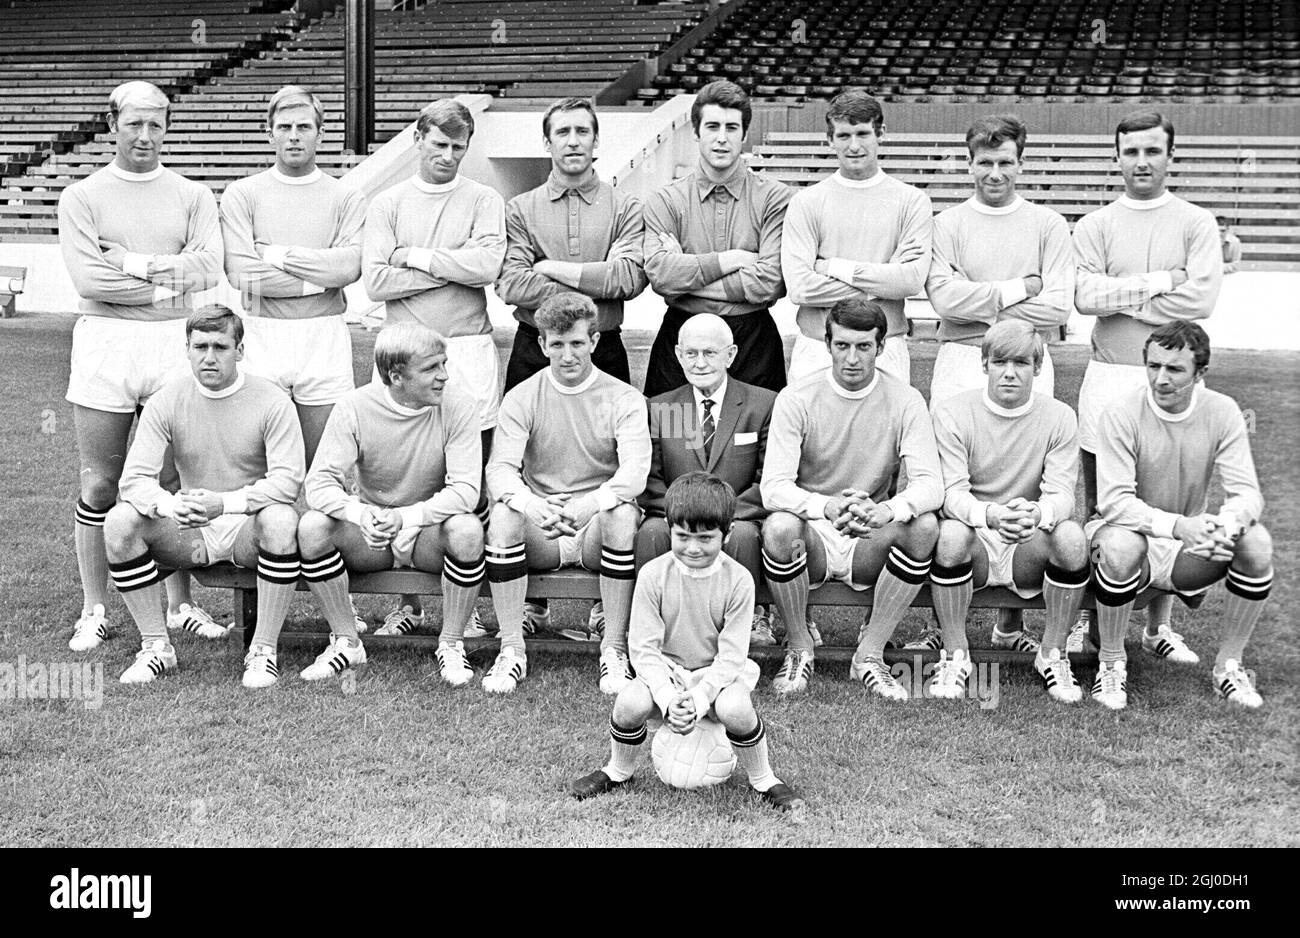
{"x": 1000, "y": 50}
{"x": 1252, "y": 182}
{"x": 48, "y": 126}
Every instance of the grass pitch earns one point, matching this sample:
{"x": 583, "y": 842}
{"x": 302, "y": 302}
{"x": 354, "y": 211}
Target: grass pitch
{"x": 194, "y": 759}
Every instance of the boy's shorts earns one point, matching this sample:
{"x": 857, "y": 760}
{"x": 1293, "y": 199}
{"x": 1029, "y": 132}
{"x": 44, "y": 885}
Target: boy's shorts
{"x": 117, "y": 364}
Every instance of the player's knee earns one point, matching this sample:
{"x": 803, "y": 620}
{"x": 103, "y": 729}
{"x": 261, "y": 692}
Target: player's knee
{"x": 780, "y": 530}
{"x": 734, "y": 709}
{"x": 122, "y": 531}
{"x": 277, "y": 528}
{"x": 505, "y": 526}
{"x": 923, "y": 531}
{"x": 315, "y": 534}
{"x": 98, "y": 489}
{"x": 953, "y": 544}
{"x": 619, "y": 523}
{"x": 464, "y": 535}
{"x": 1068, "y": 546}
{"x": 1118, "y": 551}
{"x": 633, "y": 704}
{"x": 1253, "y": 555}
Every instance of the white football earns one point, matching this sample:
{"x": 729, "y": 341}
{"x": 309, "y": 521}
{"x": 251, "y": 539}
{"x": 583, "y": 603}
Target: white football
{"x": 701, "y": 758}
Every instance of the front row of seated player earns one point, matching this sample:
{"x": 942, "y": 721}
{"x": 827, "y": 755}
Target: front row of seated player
{"x": 851, "y": 474}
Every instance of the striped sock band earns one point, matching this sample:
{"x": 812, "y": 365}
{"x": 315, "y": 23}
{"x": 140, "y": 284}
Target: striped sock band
{"x": 468, "y": 574}
{"x": 323, "y": 568}
{"x": 778, "y": 572}
{"x": 1114, "y": 592}
{"x": 1249, "y": 587}
{"x": 506, "y": 563}
{"x": 1066, "y": 579}
{"x": 752, "y": 738}
{"x": 90, "y": 517}
{"x": 135, "y": 574}
{"x": 279, "y": 568}
{"x": 955, "y": 575}
{"x": 483, "y": 512}
{"x": 628, "y": 737}
{"x": 907, "y": 569}
{"x": 617, "y": 564}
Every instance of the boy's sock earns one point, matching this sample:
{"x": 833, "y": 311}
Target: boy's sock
{"x": 751, "y": 753}
{"x": 624, "y": 746}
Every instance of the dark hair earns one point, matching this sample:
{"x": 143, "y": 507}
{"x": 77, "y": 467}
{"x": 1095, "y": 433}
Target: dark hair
{"x": 989, "y": 133}
{"x": 700, "y": 501}
{"x": 856, "y": 107}
{"x": 726, "y": 94}
{"x": 562, "y": 312}
{"x": 570, "y": 104}
{"x": 448, "y": 115}
{"x": 215, "y": 318}
{"x": 1178, "y": 335}
{"x": 1145, "y": 120}
{"x": 860, "y": 316}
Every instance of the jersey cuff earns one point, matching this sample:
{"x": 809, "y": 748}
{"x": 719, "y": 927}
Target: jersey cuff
{"x": 275, "y": 255}
{"x": 1162, "y": 523}
{"x": 701, "y": 701}
{"x": 979, "y": 515}
{"x": 840, "y": 269}
{"x": 412, "y": 516}
{"x": 663, "y": 696}
{"x": 165, "y": 507}
{"x": 137, "y": 265}
{"x": 234, "y": 503}
{"x": 420, "y": 259}
{"x": 604, "y": 498}
{"x": 354, "y": 512}
{"x": 902, "y": 509}
{"x": 815, "y": 507}
{"x": 1160, "y": 281}
{"x": 1047, "y": 516}
{"x": 521, "y": 500}
{"x": 1013, "y": 291}
{"x": 161, "y": 293}
{"x": 311, "y": 289}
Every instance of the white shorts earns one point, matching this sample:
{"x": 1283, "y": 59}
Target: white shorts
{"x": 311, "y": 359}
{"x": 839, "y": 554}
{"x": 1001, "y": 564}
{"x": 959, "y": 368}
{"x": 118, "y": 363}
{"x": 403, "y": 546}
{"x": 475, "y": 369}
{"x": 809, "y": 355}
{"x": 1162, "y": 554}
{"x": 571, "y": 545}
{"x": 220, "y": 534}
{"x": 1103, "y": 384}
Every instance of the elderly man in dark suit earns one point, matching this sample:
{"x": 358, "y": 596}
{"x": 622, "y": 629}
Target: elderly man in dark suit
{"x": 712, "y": 423}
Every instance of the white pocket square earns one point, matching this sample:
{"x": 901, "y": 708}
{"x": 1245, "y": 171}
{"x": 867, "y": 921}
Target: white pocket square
{"x": 744, "y": 439}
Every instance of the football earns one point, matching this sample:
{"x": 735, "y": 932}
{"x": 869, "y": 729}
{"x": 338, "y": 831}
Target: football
{"x": 701, "y": 758}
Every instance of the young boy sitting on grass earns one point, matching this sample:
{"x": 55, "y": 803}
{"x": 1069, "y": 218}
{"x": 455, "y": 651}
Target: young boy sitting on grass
{"x": 689, "y": 643}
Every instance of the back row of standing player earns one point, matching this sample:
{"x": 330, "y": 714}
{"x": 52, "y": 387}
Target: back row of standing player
{"x": 140, "y": 239}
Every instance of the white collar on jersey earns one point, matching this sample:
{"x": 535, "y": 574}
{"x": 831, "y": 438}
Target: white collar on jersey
{"x": 1145, "y": 205}
{"x": 996, "y": 408}
{"x": 995, "y": 210}
{"x": 853, "y": 395}
{"x": 859, "y": 183}
{"x": 1165, "y": 415}
{"x": 402, "y": 408}
{"x": 702, "y": 573}
{"x": 121, "y": 173}
{"x": 435, "y": 188}
{"x": 577, "y": 389}
{"x": 218, "y": 395}
{"x": 297, "y": 180}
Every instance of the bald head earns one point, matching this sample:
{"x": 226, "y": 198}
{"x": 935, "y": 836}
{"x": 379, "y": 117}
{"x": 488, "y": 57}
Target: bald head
{"x": 705, "y": 350}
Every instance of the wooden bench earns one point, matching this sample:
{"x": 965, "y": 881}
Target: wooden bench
{"x": 583, "y": 585}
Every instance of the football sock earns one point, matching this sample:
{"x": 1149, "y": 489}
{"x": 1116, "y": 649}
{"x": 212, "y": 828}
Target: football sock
{"x": 1246, "y": 596}
{"x": 788, "y": 582}
{"x": 327, "y": 578}
{"x": 92, "y": 562}
{"x": 461, "y": 582}
{"x": 137, "y": 580}
{"x": 1160, "y": 611}
{"x": 507, "y": 574}
{"x": 617, "y": 579}
{"x": 951, "y": 589}
{"x": 277, "y": 581}
{"x": 1115, "y": 600}
{"x": 751, "y": 753}
{"x": 178, "y": 591}
{"x": 624, "y": 745}
{"x": 896, "y": 587}
{"x": 1062, "y": 594}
